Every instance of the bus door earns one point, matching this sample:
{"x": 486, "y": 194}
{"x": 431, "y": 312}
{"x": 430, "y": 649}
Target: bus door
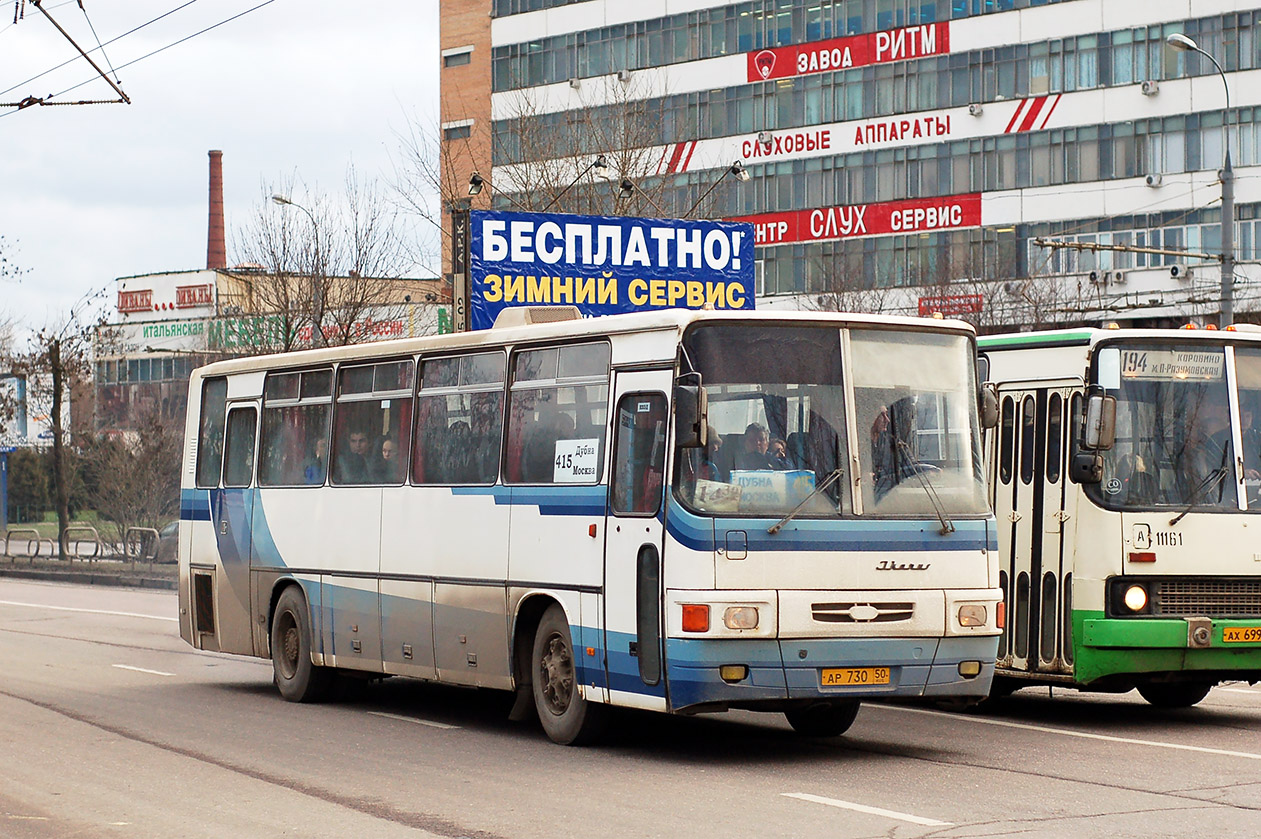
{"x": 1054, "y": 642}
{"x": 1029, "y": 505}
{"x": 633, "y": 618}
{"x": 232, "y": 515}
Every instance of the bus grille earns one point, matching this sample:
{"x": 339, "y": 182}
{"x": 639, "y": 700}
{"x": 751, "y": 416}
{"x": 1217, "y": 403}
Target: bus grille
{"x": 1238, "y": 598}
{"x": 862, "y": 612}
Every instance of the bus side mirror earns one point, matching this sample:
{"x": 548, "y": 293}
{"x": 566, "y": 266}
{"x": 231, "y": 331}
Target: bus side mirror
{"x": 988, "y": 398}
{"x": 1101, "y": 422}
{"x": 691, "y": 416}
{"x": 1086, "y": 468}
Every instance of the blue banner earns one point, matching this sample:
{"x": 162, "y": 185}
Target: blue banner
{"x": 606, "y": 265}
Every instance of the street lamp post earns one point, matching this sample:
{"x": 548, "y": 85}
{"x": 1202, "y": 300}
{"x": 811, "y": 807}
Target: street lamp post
{"x": 1181, "y": 42}
{"x": 317, "y": 273}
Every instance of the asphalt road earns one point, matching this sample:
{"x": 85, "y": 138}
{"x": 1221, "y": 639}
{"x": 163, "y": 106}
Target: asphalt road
{"x": 111, "y": 727}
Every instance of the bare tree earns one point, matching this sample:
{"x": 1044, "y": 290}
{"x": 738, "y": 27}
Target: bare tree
{"x": 58, "y": 358}
{"x": 322, "y": 269}
{"x": 135, "y": 477}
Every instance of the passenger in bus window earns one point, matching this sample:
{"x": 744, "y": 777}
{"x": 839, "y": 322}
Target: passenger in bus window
{"x": 778, "y": 453}
{"x": 316, "y": 466}
{"x": 352, "y": 464}
{"x": 713, "y": 467}
{"x": 388, "y": 469}
{"x": 1250, "y": 440}
{"x": 1210, "y": 447}
{"x": 756, "y": 441}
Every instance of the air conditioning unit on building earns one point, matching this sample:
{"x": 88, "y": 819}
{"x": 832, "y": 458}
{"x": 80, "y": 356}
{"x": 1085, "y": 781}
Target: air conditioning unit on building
{"x": 575, "y": 82}
{"x": 623, "y": 76}
{"x": 1096, "y": 277}
{"x": 1154, "y": 180}
{"x": 1180, "y": 272}
{"x": 1150, "y": 87}
{"x": 1118, "y": 277}
{"x": 765, "y": 138}
{"x": 976, "y": 109}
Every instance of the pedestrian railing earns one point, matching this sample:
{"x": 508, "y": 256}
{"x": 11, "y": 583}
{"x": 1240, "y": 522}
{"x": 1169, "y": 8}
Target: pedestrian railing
{"x": 33, "y": 542}
{"x": 140, "y": 544}
{"x": 75, "y": 545}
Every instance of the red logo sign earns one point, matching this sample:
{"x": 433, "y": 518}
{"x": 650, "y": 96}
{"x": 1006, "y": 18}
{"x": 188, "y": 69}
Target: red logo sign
{"x": 913, "y": 215}
{"x": 952, "y": 304}
{"x": 135, "y": 301}
{"x": 853, "y": 51}
{"x": 191, "y": 296}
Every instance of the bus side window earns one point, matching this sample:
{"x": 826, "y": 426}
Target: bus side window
{"x": 459, "y": 420}
{"x": 639, "y": 454}
{"x": 294, "y": 438}
{"x": 214, "y": 402}
{"x": 557, "y": 415}
{"x": 238, "y": 464}
{"x": 372, "y": 423}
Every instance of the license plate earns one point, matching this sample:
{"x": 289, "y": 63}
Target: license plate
{"x": 841, "y": 677}
{"x": 1242, "y": 635}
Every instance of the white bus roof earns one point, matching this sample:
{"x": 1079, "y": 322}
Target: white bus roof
{"x": 675, "y": 320}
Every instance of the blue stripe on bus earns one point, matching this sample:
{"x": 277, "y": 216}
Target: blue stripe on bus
{"x": 698, "y": 533}
{"x": 551, "y": 501}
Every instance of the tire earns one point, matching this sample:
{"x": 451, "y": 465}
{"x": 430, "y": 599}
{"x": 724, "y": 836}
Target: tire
{"x": 566, "y": 717}
{"x": 823, "y": 719}
{"x": 1174, "y": 694}
{"x": 297, "y": 679}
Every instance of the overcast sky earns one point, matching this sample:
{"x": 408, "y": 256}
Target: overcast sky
{"x": 95, "y": 192}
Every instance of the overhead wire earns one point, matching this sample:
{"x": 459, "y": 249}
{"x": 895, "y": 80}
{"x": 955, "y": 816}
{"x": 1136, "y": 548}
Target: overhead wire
{"x": 107, "y": 43}
{"x": 169, "y": 46}
{"x": 99, "y": 45}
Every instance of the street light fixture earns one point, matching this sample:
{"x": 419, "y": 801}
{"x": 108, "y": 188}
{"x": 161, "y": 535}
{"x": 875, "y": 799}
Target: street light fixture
{"x": 735, "y": 170}
{"x": 1184, "y": 44}
{"x": 475, "y": 184}
{"x": 599, "y": 166}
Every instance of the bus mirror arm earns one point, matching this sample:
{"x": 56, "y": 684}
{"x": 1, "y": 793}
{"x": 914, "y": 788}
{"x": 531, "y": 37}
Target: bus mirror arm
{"x": 691, "y": 413}
{"x": 1086, "y": 467}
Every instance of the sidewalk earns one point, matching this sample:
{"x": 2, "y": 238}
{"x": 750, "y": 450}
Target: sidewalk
{"x": 105, "y": 572}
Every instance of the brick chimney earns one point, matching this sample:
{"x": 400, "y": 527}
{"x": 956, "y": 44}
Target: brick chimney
{"x": 216, "y": 251}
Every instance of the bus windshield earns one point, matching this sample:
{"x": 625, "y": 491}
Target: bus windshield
{"x": 1175, "y": 427}
{"x": 778, "y": 423}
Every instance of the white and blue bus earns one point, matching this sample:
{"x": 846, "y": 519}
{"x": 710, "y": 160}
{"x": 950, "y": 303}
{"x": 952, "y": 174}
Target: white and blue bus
{"x": 682, "y": 511}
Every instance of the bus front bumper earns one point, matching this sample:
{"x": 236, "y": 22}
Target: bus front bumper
{"x": 1112, "y": 646}
{"x": 788, "y": 670}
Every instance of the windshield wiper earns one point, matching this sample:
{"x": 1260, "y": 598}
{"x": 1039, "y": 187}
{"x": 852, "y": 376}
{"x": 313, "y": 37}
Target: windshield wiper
{"x": 947, "y": 526}
{"x": 827, "y": 482}
{"x": 1211, "y": 480}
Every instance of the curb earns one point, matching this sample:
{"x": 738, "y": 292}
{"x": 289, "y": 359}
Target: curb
{"x": 93, "y": 578}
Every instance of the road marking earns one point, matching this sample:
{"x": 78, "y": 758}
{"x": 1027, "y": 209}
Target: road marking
{"x": 402, "y": 718}
{"x": 88, "y": 611}
{"x": 17, "y": 818}
{"x": 141, "y": 670}
{"x": 863, "y": 808}
{"x": 1238, "y": 690}
{"x": 1070, "y": 733}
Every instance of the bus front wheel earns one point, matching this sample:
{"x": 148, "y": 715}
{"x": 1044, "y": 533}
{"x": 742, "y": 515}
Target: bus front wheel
{"x": 1174, "y": 694}
{"x": 295, "y": 676}
{"x": 567, "y": 718}
{"x": 823, "y": 719}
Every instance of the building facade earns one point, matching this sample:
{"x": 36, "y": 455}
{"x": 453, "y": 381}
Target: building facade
{"x": 1015, "y": 162}
{"x": 167, "y": 324}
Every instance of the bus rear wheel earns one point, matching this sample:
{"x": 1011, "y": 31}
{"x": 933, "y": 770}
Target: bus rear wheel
{"x": 1174, "y": 694}
{"x": 823, "y": 719}
{"x": 297, "y": 679}
{"x": 566, "y": 717}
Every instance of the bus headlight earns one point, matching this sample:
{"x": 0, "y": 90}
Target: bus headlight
{"x": 740, "y": 617}
{"x": 972, "y": 615}
{"x": 1135, "y": 598}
